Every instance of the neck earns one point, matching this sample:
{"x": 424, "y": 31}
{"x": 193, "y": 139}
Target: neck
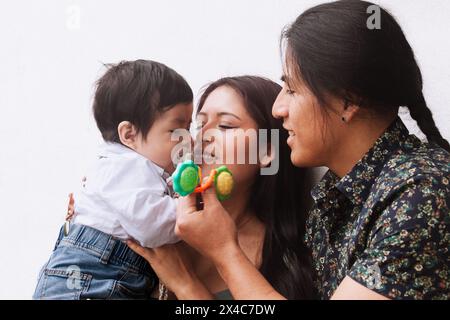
{"x": 360, "y": 137}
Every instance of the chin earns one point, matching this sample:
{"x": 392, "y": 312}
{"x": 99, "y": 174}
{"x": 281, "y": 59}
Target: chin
{"x": 295, "y": 160}
{"x": 305, "y": 160}
{"x": 299, "y": 160}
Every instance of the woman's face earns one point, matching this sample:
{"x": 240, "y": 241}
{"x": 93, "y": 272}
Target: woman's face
{"x": 222, "y": 123}
{"x": 312, "y": 132}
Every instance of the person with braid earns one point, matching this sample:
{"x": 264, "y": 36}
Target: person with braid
{"x": 379, "y": 226}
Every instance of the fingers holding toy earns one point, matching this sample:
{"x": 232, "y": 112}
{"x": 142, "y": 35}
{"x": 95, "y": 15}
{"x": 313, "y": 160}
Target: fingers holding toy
{"x": 210, "y": 199}
{"x": 187, "y": 205}
{"x": 211, "y": 230}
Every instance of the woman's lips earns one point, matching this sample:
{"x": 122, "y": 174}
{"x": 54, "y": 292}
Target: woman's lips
{"x": 291, "y": 138}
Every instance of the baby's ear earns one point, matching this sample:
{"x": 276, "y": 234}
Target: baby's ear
{"x": 127, "y": 134}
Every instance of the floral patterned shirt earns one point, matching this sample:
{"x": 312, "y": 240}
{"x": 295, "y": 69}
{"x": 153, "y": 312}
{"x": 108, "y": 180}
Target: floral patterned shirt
{"x": 386, "y": 223}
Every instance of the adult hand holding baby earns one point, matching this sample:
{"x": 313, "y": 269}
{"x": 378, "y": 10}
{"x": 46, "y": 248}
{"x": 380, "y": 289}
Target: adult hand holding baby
{"x": 174, "y": 270}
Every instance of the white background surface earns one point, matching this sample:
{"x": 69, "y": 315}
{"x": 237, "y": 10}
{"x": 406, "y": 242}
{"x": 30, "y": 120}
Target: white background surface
{"x": 49, "y": 65}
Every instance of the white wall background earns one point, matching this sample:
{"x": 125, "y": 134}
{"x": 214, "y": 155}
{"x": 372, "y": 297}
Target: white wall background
{"x": 49, "y": 65}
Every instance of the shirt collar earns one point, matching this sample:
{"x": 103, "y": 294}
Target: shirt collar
{"x": 357, "y": 183}
{"x": 321, "y": 190}
{"x": 107, "y": 149}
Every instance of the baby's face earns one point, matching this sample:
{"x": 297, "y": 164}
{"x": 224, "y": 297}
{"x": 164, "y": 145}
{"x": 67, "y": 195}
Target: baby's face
{"x": 158, "y": 144}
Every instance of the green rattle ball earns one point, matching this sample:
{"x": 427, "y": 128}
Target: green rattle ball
{"x": 186, "y": 178}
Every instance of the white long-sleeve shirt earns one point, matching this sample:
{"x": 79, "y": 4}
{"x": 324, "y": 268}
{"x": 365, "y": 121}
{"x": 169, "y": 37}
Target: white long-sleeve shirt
{"x": 125, "y": 195}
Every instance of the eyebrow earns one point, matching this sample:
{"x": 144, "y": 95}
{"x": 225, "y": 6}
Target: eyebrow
{"x": 286, "y": 80}
{"x": 228, "y": 114}
{"x": 221, "y": 114}
{"x": 180, "y": 120}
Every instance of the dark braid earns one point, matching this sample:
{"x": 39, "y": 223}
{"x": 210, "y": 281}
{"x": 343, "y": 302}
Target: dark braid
{"x": 424, "y": 118}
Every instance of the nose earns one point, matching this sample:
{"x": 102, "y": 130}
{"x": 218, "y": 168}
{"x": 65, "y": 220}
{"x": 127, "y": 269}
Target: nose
{"x": 205, "y": 134}
{"x": 201, "y": 141}
{"x": 280, "y": 108}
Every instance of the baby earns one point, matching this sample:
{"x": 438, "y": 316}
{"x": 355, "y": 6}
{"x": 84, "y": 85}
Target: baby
{"x": 137, "y": 107}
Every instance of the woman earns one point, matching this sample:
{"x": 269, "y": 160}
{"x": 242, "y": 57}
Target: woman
{"x": 269, "y": 211}
{"x": 379, "y": 226}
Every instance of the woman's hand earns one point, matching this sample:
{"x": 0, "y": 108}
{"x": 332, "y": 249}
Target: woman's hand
{"x": 173, "y": 269}
{"x": 213, "y": 233}
{"x": 210, "y": 231}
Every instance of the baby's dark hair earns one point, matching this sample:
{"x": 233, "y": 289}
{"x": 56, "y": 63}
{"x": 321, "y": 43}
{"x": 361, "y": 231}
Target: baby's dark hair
{"x": 136, "y": 91}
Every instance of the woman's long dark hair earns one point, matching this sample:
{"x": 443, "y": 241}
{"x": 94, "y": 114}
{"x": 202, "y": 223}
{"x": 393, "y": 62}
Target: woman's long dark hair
{"x": 280, "y": 201}
{"x": 335, "y": 52}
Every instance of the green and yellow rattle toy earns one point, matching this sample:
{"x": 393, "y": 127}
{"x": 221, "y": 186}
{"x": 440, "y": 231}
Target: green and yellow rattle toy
{"x": 187, "y": 179}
